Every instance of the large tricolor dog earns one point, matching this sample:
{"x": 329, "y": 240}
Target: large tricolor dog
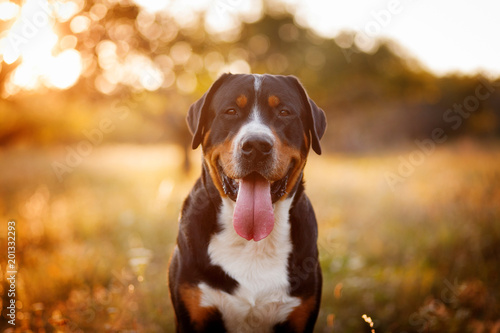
{"x": 246, "y": 258}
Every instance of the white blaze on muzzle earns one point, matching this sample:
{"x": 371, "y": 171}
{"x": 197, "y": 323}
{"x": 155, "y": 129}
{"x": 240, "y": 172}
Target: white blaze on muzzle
{"x": 253, "y": 214}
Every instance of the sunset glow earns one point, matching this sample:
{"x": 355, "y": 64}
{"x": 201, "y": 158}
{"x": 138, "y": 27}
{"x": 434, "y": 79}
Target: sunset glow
{"x": 446, "y": 36}
{"x": 32, "y": 40}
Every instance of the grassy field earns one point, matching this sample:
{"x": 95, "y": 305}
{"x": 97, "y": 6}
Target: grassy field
{"x": 92, "y": 247}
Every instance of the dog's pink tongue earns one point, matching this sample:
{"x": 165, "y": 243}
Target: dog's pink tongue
{"x": 253, "y": 215}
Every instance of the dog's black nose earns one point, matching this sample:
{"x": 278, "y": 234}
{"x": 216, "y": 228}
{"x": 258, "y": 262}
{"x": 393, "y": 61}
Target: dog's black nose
{"x": 256, "y": 146}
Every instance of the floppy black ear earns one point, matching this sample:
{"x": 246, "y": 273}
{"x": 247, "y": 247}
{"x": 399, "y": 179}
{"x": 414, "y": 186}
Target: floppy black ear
{"x": 316, "y": 119}
{"x": 318, "y": 127}
{"x": 198, "y": 117}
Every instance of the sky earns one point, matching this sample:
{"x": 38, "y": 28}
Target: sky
{"x": 445, "y": 35}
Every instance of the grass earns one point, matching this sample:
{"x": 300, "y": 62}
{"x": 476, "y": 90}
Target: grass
{"x": 93, "y": 249}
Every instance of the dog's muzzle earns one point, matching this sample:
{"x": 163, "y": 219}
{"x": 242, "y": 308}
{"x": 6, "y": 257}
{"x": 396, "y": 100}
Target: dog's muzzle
{"x": 253, "y": 189}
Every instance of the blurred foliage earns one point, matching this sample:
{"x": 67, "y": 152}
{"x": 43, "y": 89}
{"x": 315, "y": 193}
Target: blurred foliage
{"x": 378, "y": 100}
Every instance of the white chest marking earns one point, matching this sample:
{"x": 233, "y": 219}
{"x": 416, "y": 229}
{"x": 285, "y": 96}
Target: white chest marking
{"x": 261, "y": 299}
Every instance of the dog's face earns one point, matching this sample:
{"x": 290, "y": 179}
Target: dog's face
{"x": 256, "y": 131}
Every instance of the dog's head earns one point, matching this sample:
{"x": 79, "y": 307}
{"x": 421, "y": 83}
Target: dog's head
{"x": 256, "y": 132}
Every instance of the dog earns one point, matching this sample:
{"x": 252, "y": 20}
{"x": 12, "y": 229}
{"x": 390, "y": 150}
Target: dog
{"x": 246, "y": 258}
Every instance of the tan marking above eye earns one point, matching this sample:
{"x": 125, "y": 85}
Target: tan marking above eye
{"x": 273, "y": 101}
{"x": 241, "y": 101}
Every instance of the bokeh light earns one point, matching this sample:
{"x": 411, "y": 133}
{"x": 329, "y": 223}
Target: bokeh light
{"x": 32, "y": 40}
{"x": 8, "y": 10}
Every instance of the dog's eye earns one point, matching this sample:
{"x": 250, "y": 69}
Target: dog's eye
{"x": 231, "y": 112}
{"x": 284, "y": 113}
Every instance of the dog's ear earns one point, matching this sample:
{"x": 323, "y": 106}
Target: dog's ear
{"x": 316, "y": 118}
{"x": 198, "y": 115}
{"x": 317, "y": 121}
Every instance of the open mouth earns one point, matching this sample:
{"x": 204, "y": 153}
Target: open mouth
{"x": 231, "y": 186}
{"x": 253, "y": 216}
